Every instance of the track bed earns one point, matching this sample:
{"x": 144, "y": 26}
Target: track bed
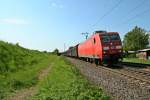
{"x": 123, "y": 83}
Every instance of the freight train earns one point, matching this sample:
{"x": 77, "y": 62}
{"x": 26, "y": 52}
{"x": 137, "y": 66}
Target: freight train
{"x": 101, "y": 48}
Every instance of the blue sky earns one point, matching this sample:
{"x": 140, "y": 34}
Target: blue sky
{"x": 49, "y": 24}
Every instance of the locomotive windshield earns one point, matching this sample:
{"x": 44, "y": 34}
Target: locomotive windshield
{"x": 105, "y": 38}
{"x": 108, "y": 38}
{"x": 114, "y": 37}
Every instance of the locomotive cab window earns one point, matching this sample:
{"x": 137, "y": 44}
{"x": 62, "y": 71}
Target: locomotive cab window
{"x": 94, "y": 40}
{"x": 114, "y": 37}
{"x": 105, "y": 38}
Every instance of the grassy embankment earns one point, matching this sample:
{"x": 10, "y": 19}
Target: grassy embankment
{"x": 19, "y": 67}
{"x": 136, "y": 60}
{"x": 65, "y": 82}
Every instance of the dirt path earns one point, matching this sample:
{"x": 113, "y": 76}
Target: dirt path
{"x": 28, "y": 92}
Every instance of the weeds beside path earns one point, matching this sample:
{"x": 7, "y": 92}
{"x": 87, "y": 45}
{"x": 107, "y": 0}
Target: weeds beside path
{"x": 65, "y": 82}
{"x": 60, "y": 81}
{"x": 27, "y": 92}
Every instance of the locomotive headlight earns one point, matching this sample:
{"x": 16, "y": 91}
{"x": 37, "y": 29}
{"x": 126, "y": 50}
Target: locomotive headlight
{"x": 120, "y": 50}
{"x": 118, "y": 47}
{"x": 105, "y": 48}
{"x": 104, "y": 52}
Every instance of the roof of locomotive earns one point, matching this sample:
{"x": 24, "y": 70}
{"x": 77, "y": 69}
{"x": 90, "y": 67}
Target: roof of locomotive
{"x": 104, "y": 32}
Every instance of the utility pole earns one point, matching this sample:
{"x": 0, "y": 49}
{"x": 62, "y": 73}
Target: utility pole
{"x": 86, "y": 34}
{"x": 64, "y": 47}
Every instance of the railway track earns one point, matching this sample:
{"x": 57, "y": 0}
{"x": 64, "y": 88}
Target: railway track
{"x": 124, "y": 83}
{"x": 133, "y": 71}
{"x": 131, "y": 75}
{"x": 135, "y": 64}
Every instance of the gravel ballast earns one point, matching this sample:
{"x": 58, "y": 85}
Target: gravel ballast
{"x": 117, "y": 86}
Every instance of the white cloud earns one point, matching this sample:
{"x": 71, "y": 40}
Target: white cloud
{"x": 14, "y": 21}
{"x": 56, "y": 5}
{"x": 53, "y": 4}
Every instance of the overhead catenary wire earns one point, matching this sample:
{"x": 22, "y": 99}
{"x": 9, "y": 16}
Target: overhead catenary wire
{"x": 131, "y": 11}
{"x": 137, "y": 6}
{"x": 107, "y": 13}
{"x": 115, "y": 6}
{"x": 137, "y": 15}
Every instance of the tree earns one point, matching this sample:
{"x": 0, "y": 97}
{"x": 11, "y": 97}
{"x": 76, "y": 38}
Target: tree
{"x": 56, "y": 51}
{"x": 136, "y": 39}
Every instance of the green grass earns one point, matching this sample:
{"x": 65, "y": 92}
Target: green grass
{"x": 19, "y": 67}
{"x": 65, "y": 82}
{"x": 22, "y": 78}
{"x": 136, "y": 60}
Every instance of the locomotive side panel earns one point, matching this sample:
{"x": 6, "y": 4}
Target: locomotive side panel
{"x": 97, "y": 47}
{"x": 87, "y": 49}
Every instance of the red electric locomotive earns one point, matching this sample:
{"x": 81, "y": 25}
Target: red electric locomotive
{"x": 102, "y": 47}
